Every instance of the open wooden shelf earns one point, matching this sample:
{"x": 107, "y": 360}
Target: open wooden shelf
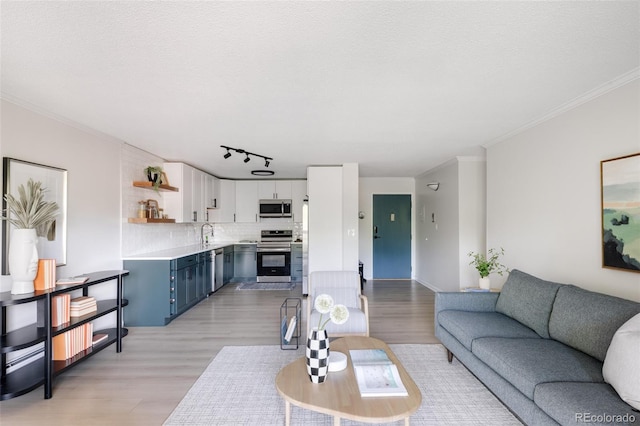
{"x": 149, "y": 220}
{"x": 149, "y": 185}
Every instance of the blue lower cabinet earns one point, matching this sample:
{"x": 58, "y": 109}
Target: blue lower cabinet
{"x": 296, "y": 262}
{"x": 160, "y": 290}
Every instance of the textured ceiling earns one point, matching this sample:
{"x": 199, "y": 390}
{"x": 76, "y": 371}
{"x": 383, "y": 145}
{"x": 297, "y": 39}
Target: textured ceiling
{"x": 398, "y": 87}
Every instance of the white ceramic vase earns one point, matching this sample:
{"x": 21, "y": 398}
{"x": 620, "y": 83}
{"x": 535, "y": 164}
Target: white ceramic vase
{"x": 484, "y": 283}
{"x": 23, "y": 260}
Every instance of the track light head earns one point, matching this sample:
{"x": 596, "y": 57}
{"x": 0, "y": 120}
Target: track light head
{"x": 267, "y": 160}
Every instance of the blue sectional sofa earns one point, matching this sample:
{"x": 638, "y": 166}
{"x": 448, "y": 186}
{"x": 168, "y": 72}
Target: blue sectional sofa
{"x": 539, "y": 346}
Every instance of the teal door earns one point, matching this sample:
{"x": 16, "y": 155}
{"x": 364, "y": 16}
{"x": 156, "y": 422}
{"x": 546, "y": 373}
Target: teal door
{"x": 392, "y": 236}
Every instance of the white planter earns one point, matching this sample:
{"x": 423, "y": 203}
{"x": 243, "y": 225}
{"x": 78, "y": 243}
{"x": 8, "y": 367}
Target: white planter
{"x": 485, "y": 283}
{"x": 23, "y": 260}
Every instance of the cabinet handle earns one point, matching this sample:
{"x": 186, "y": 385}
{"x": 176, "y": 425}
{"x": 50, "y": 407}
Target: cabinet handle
{"x": 195, "y": 216}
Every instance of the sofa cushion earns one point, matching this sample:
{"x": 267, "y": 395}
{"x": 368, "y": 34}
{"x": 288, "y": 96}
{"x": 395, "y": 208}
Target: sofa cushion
{"x": 468, "y": 326}
{"x": 584, "y": 403}
{"x": 529, "y": 300}
{"x": 587, "y": 321}
{"x": 526, "y": 363}
{"x": 621, "y": 367}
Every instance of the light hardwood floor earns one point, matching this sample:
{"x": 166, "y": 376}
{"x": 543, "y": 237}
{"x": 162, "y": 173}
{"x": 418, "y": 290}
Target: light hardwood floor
{"x": 144, "y": 383}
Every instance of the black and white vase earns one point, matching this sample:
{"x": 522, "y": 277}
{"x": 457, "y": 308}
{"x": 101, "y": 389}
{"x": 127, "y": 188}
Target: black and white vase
{"x": 317, "y": 355}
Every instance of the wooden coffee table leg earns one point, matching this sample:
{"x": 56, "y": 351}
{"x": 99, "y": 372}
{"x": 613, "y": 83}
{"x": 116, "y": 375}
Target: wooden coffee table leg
{"x": 406, "y": 421}
{"x": 336, "y": 421}
{"x": 287, "y": 413}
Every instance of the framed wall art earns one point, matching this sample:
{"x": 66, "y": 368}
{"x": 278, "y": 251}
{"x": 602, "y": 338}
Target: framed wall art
{"x": 54, "y": 180}
{"x": 620, "y": 195}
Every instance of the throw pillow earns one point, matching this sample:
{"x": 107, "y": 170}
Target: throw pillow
{"x": 621, "y": 368}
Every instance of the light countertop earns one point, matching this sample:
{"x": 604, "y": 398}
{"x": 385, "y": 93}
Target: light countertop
{"x": 177, "y": 252}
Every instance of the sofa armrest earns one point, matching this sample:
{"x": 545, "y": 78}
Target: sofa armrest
{"x": 460, "y": 301}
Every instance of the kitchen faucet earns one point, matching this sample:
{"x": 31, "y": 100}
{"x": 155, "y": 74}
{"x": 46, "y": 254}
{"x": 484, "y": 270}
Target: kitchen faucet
{"x": 202, "y": 232}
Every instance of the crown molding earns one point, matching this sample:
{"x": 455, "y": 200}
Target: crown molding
{"x": 586, "y": 97}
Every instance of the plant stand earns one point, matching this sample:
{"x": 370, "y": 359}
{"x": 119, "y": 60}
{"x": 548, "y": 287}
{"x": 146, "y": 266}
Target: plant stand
{"x": 290, "y": 320}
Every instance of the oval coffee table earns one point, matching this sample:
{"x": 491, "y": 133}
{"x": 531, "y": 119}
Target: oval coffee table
{"x": 339, "y": 395}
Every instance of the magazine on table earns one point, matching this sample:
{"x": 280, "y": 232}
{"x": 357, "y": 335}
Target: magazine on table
{"x": 376, "y": 374}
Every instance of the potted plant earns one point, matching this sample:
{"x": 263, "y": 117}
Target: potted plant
{"x": 487, "y": 265}
{"x": 32, "y": 218}
{"x": 154, "y": 174}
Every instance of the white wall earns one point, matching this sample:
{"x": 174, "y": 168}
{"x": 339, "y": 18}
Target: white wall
{"x": 93, "y": 189}
{"x": 543, "y": 185}
{"x": 450, "y": 223}
{"x": 325, "y": 218}
{"x": 350, "y": 229}
{"x": 369, "y": 187}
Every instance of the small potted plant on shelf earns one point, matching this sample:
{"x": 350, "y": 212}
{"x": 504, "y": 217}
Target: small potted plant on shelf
{"x": 154, "y": 174}
{"x": 487, "y": 265}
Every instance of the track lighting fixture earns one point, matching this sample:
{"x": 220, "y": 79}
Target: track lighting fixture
{"x": 267, "y": 160}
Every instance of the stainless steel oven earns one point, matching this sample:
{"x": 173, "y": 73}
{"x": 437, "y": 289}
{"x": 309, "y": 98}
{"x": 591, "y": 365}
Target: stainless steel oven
{"x": 274, "y": 256}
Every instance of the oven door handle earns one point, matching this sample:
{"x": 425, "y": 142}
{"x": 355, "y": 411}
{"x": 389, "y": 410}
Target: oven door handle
{"x": 274, "y": 249}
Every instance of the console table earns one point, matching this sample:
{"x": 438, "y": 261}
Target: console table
{"x": 43, "y": 370}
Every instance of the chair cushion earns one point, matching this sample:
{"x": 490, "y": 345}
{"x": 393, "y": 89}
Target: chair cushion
{"x": 468, "y": 326}
{"x": 584, "y": 403}
{"x": 347, "y": 296}
{"x": 356, "y": 324}
{"x": 587, "y": 321}
{"x": 621, "y": 366}
{"x": 526, "y": 363}
{"x": 529, "y": 300}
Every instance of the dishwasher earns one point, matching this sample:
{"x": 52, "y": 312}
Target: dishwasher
{"x": 219, "y": 269}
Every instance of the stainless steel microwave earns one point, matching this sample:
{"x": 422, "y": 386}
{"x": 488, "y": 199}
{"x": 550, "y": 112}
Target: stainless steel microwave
{"x": 275, "y": 208}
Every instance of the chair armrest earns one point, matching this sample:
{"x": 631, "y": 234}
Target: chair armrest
{"x": 364, "y": 305}
{"x": 460, "y": 301}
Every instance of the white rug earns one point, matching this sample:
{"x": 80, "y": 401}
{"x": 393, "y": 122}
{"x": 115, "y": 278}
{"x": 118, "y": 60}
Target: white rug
{"x": 267, "y": 286}
{"x": 238, "y": 388}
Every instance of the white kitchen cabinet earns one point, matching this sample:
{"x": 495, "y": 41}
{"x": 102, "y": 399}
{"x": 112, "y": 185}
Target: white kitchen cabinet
{"x": 225, "y": 190}
{"x": 189, "y": 204}
{"x": 210, "y": 184}
{"x": 274, "y": 189}
{"x": 246, "y": 201}
{"x": 179, "y": 205}
{"x": 198, "y": 210}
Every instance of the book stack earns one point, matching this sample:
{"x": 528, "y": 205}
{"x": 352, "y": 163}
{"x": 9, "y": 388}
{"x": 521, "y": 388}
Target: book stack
{"x": 82, "y": 306}
{"x": 376, "y": 374}
{"x": 60, "y": 309}
{"x": 72, "y": 342}
{"x": 46, "y": 275}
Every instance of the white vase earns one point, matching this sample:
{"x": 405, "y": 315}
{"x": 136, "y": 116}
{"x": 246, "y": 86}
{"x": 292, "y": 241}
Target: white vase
{"x": 485, "y": 283}
{"x": 23, "y": 260}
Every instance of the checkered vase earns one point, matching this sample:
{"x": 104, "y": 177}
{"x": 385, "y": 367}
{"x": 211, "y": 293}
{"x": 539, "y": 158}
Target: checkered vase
{"x": 317, "y": 355}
